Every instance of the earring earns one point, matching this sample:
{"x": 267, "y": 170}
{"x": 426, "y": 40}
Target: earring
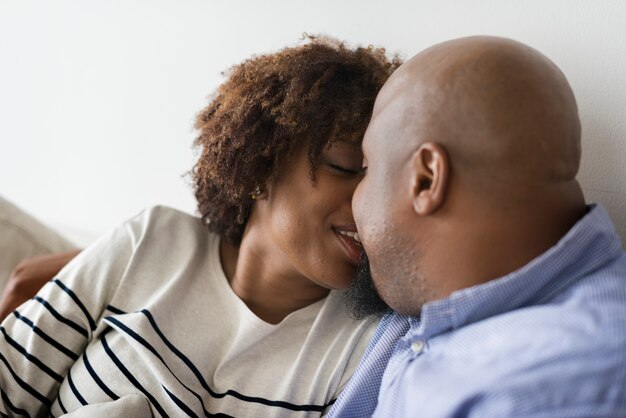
{"x": 256, "y": 193}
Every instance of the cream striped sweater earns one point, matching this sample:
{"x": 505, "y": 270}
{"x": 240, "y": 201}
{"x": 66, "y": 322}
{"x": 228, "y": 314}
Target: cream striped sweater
{"x": 144, "y": 323}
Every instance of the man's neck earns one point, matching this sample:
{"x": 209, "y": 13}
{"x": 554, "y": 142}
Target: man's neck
{"x": 482, "y": 246}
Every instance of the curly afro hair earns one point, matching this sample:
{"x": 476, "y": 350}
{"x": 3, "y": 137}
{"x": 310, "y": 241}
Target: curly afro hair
{"x": 313, "y": 94}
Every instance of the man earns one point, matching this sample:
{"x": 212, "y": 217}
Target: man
{"x": 509, "y": 293}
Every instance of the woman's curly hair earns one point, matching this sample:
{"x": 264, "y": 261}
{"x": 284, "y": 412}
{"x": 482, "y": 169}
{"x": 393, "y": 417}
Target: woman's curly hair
{"x": 315, "y": 94}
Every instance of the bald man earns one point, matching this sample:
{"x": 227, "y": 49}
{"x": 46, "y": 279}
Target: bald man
{"x": 509, "y": 292}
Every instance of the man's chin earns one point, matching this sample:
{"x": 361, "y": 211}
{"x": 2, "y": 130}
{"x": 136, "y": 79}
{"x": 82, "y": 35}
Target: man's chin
{"x": 361, "y": 298}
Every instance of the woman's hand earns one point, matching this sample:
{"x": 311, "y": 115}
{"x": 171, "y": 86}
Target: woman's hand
{"x": 29, "y": 276}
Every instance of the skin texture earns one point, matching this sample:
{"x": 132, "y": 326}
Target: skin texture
{"x": 471, "y": 157}
{"x": 290, "y": 122}
{"x": 267, "y": 107}
{"x": 29, "y": 276}
{"x": 290, "y": 254}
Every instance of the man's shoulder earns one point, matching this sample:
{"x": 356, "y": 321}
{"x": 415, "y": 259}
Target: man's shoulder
{"x": 587, "y": 318}
{"x": 569, "y": 351}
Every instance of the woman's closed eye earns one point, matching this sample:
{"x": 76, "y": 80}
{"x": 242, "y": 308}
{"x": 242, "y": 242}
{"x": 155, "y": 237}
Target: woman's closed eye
{"x": 351, "y": 171}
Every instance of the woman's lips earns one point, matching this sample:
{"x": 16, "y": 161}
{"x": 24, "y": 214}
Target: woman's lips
{"x": 351, "y": 246}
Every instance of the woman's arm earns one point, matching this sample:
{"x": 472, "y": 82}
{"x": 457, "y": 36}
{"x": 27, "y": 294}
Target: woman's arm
{"x": 30, "y": 276}
{"x": 48, "y": 333}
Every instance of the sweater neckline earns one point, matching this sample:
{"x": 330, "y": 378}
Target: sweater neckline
{"x": 302, "y": 315}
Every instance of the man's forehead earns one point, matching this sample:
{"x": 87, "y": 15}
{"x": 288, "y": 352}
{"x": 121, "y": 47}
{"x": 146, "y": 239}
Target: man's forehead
{"x": 388, "y": 139}
{"x": 391, "y": 91}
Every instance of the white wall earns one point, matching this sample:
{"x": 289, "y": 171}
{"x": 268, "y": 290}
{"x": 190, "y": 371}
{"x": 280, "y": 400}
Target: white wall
{"x": 97, "y": 98}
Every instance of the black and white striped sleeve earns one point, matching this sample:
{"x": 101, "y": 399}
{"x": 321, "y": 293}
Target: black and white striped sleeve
{"x": 41, "y": 340}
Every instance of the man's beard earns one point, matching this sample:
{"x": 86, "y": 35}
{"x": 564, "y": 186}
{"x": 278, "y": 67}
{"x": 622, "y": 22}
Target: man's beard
{"x": 361, "y": 298}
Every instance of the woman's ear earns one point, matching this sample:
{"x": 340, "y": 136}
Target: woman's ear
{"x": 259, "y": 193}
{"x": 430, "y": 170}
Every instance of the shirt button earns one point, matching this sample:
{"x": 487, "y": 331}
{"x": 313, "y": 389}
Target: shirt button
{"x": 417, "y": 346}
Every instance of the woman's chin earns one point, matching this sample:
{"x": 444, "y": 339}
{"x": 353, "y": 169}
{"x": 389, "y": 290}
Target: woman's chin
{"x": 340, "y": 280}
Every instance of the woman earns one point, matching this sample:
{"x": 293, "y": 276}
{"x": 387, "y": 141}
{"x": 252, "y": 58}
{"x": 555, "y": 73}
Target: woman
{"x": 161, "y": 317}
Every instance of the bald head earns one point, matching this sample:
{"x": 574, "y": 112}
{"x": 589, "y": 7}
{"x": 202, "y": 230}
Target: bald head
{"x": 471, "y": 154}
{"x": 498, "y": 107}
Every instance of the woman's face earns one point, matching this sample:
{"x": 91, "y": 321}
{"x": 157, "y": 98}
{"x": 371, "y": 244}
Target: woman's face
{"x": 309, "y": 226}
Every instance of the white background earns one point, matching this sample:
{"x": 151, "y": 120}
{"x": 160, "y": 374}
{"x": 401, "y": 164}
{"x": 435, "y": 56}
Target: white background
{"x": 97, "y": 98}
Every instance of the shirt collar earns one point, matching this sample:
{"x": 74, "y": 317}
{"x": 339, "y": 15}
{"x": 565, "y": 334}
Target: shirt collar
{"x": 590, "y": 243}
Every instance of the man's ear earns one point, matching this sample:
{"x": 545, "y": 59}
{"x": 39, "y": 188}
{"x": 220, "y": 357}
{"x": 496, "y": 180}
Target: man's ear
{"x": 430, "y": 170}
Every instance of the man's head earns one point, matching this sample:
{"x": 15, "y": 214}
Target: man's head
{"x": 471, "y": 157}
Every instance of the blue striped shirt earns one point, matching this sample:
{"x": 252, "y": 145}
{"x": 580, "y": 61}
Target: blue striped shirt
{"x": 548, "y": 340}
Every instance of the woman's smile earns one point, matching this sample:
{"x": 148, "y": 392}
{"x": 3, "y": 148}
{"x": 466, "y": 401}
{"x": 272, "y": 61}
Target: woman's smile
{"x": 350, "y": 242}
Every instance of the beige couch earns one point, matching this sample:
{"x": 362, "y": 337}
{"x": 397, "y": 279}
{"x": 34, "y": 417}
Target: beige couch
{"x": 21, "y": 236}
